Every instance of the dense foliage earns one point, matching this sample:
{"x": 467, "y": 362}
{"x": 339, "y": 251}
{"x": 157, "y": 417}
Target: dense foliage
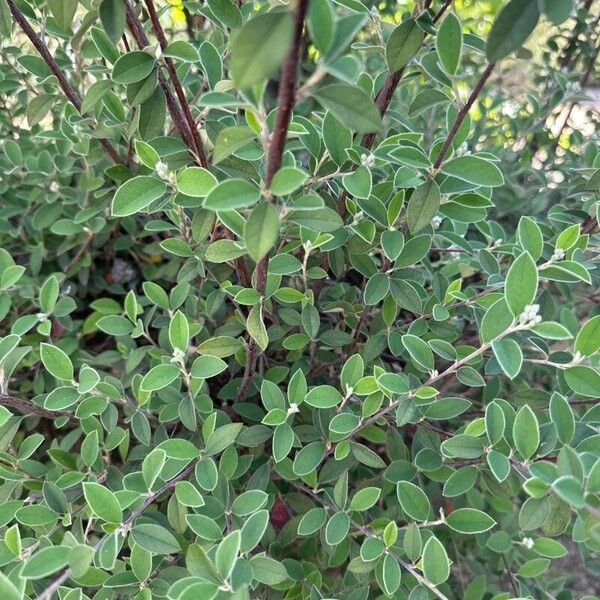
{"x": 299, "y": 300}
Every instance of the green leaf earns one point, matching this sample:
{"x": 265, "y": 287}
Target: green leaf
{"x": 63, "y": 11}
{"x": 513, "y": 25}
{"x": 419, "y": 351}
{"x": 509, "y": 356}
{"x": 475, "y": 170}
{"x": 390, "y": 574}
{"x": 6, "y": 22}
{"x": 132, "y": 67}
{"x": 231, "y": 195}
{"x": 583, "y": 380}
{"x": 496, "y": 320}
{"x": 179, "y": 331}
{"x": 248, "y": 502}
{"x": 359, "y": 183}
{"x": 253, "y": 530}
{"x": 159, "y": 377}
{"x": 207, "y": 366}
{"x": 376, "y": 289}
{"x": 155, "y": 538}
{"x": 436, "y": 566}
{"x": 404, "y": 42}
{"x": 526, "y": 433}
{"x": 570, "y": 490}
{"x": 413, "y": 500}
{"x": 287, "y": 180}
{"x": 365, "y": 498}
{"x": 256, "y": 327}
{"x": 587, "y": 341}
{"x": 267, "y": 570}
{"x": 49, "y": 294}
{"x": 56, "y": 362}
{"x": 351, "y": 106}
{"x": 562, "y": 416}
{"x": 448, "y": 43}
{"x": 423, "y": 206}
{"x": 196, "y": 182}
{"x": 230, "y": 140}
{"x": 152, "y": 466}
{"x": 323, "y": 396}
{"x": 469, "y": 520}
{"x": 7, "y": 588}
{"x": 112, "y": 17}
{"x": 45, "y": 562}
{"x": 307, "y": 459}
{"x": 337, "y": 528}
{"x": 136, "y": 194}
{"x": 521, "y": 284}
{"x": 530, "y": 237}
{"x": 261, "y": 230}
{"x": 227, "y": 552}
{"x": 102, "y": 502}
{"x": 557, "y": 11}
{"x": 222, "y": 438}
{"x": 259, "y": 48}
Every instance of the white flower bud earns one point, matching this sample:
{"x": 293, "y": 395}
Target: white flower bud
{"x": 162, "y": 169}
{"x": 559, "y": 254}
{"x": 293, "y": 409}
{"x": 527, "y": 542}
{"x": 178, "y": 355}
{"x": 436, "y": 222}
{"x": 54, "y": 187}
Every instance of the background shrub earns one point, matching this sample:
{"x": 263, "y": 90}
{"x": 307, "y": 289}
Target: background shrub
{"x": 299, "y": 301}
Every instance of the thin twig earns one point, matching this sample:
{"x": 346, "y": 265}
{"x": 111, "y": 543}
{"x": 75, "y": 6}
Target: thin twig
{"x": 369, "y": 533}
{"x": 125, "y": 526}
{"x": 29, "y": 408}
{"x": 86, "y": 244}
{"x": 63, "y": 82}
{"x": 386, "y": 93}
{"x": 185, "y": 107}
{"x": 510, "y": 576}
{"x": 141, "y": 39}
{"x": 460, "y": 117}
{"x": 285, "y": 104}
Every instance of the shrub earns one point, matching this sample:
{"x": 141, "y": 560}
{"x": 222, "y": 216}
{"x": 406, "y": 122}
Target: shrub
{"x": 298, "y": 301}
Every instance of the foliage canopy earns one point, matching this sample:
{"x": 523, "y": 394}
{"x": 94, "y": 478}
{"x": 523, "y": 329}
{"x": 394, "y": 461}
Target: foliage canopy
{"x": 298, "y": 300}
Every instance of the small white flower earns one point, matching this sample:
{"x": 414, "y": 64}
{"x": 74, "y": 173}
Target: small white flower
{"x": 178, "y": 355}
{"x": 54, "y": 187}
{"x": 367, "y": 160}
{"x": 559, "y": 254}
{"x": 293, "y": 409}
{"x": 528, "y": 543}
{"x": 162, "y": 169}
{"x": 41, "y": 316}
{"x": 436, "y": 222}
{"x": 530, "y": 316}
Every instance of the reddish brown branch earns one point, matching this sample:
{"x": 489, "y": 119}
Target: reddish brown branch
{"x": 141, "y": 39}
{"x": 386, "y": 93}
{"x": 286, "y": 97}
{"x": 28, "y": 408}
{"x": 185, "y": 107}
{"x": 63, "y": 82}
{"x": 285, "y": 104}
{"x": 462, "y": 113}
